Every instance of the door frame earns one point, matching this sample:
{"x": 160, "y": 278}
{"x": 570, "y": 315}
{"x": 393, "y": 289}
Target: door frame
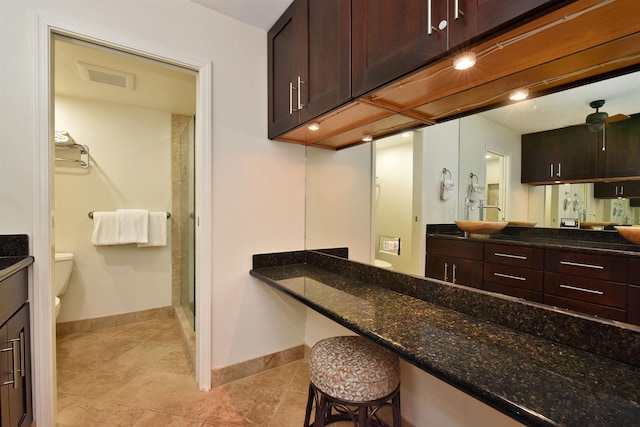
{"x": 43, "y": 312}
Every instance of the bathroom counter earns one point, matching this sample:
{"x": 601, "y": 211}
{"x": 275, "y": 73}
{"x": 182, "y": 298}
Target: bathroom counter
{"x": 454, "y": 333}
{"x": 14, "y": 254}
{"x": 602, "y": 242}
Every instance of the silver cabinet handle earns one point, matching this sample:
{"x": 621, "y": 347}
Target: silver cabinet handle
{"x": 457, "y": 12}
{"x": 15, "y": 361}
{"x": 576, "y": 288}
{"x": 300, "y": 82}
{"x": 454, "y": 268}
{"x": 578, "y": 264}
{"x": 446, "y": 267}
{"x": 22, "y": 356}
{"x": 551, "y": 172}
{"x": 508, "y": 276}
{"x": 290, "y": 97}
{"x": 559, "y": 169}
{"x": 510, "y": 255}
{"x": 429, "y": 27}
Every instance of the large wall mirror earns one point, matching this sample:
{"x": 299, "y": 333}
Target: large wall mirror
{"x": 377, "y": 198}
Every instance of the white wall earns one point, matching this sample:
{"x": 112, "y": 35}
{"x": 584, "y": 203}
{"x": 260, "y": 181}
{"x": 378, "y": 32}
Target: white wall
{"x": 479, "y": 135}
{"x": 440, "y": 151}
{"x": 258, "y": 185}
{"x": 338, "y": 200}
{"x": 393, "y": 199}
{"x": 130, "y": 167}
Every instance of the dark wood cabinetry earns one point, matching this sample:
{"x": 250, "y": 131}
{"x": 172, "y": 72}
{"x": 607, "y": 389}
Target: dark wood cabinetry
{"x": 621, "y": 156}
{"x": 455, "y": 261}
{"x": 15, "y": 354}
{"x": 602, "y": 285}
{"x": 613, "y": 190}
{"x": 566, "y": 154}
{"x": 514, "y": 270}
{"x": 593, "y": 284}
{"x": 309, "y": 62}
{"x": 390, "y": 40}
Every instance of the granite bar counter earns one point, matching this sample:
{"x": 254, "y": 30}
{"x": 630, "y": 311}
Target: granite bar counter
{"x": 540, "y": 366}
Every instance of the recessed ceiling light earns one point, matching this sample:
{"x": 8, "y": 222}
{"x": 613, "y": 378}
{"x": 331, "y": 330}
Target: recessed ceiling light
{"x": 367, "y": 138}
{"x": 314, "y": 126}
{"x": 406, "y": 134}
{"x": 464, "y": 61}
{"x": 519, "y": 94}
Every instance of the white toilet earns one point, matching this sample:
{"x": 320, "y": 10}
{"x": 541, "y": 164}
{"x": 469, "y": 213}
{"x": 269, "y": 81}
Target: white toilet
{"x": 61, "y": 275}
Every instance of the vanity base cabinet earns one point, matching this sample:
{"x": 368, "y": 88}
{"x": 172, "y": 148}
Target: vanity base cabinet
{"x": 514, "y": 270}
{"x": 455, "y": 261}
{"x": 633, "y": 292}
{"x": 15, "y": 357}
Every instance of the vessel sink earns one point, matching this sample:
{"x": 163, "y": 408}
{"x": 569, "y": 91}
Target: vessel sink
{"x": 481, "y": 227}
{"x": 522, "y": 223}
{"x": 629, "y": 232}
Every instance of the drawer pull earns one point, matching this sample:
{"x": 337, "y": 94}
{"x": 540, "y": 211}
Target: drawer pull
{"x": 576, "y": 288}
{"x": 453, "y": 269}
{"x": 509, "y": 255}
{"x": 578, "y": 264}
{"x": 508, "y": 276}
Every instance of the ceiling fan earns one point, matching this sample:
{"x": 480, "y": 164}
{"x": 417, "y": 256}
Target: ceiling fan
{"x": 598, "y": 120}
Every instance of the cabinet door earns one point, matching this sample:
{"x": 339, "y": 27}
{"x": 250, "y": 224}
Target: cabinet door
{"x": 621, "y": 157}
{"x": 287, "y": 53}
{"x": 563, "y": 154}
{"x": 613, "y": 190}
{"x": 475, "y": 19}
{"x": 328, "y": 78}
{"x": 16, "y": 369}
{"x": 391, "y": 38}
{"x": 455, "y": 270}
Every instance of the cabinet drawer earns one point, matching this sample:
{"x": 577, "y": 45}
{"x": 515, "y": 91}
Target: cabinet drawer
{"x": 527, "y": 294}
{"x": 587, "y": 265}
{"x": 13, "y": 293}
{"x": 455, "y": 248}
{"x": 519, "y": 256}
{"x": 586, "y": 307}
{"x": 586, "y": 289}
{"x": 513, "y": 276}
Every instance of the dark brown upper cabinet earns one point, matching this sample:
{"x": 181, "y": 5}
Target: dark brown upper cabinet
{"x": 619, "y": 156}
{"x": 614, "y": 190}
{"x": 565, "y": 154}
{"x": 391, "y": 39}
{"x": 309, "y": 60}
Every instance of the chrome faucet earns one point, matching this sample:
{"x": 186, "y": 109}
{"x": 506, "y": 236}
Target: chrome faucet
{"x": 482, "y": 207}
{"x": 467, "y": 207}
{"x": 584, "y": 214}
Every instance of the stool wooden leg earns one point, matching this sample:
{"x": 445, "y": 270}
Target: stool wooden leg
{"x": 395, "y": 405}
{"x": 310, "y": 401}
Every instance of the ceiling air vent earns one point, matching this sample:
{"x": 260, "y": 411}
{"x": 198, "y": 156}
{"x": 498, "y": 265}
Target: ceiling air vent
{"x": 95, "y": 73}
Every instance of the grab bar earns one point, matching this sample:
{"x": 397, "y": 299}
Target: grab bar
{"x": 91, "y": 214}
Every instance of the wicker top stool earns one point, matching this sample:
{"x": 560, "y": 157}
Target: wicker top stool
{"x": 350, "y": 372}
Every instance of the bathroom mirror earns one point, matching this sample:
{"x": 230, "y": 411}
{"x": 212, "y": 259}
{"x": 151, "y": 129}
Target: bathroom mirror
{"x": 343, "y": 193}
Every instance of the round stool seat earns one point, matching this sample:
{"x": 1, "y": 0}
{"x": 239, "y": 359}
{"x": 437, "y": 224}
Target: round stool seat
{"x": 354, "y": 369}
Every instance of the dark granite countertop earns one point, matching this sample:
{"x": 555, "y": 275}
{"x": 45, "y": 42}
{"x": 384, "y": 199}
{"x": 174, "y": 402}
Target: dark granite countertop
{"x": 531, "y": 378}
{"x": 14, "y": 254}
{"x": 603, "y": 242}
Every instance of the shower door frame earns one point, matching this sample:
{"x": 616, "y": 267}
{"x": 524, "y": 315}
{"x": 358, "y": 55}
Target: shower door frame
{"x": 43, "y": 318}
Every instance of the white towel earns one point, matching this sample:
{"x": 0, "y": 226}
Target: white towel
{"x": 157, "y": 230}
{"x": 133, "y": 226}
{"x": 446, "y": 188}
{"x": 105, "y": 229}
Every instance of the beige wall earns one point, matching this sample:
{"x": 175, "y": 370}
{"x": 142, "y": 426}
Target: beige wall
{"x": 129, "y": 169}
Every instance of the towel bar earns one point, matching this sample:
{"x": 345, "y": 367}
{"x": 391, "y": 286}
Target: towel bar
{"x": 91, "y": 215}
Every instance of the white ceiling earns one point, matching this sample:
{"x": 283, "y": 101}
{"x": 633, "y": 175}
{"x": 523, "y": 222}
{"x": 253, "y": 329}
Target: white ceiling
{"x": 157, "y": 86}
{"x": 257, "y": 13}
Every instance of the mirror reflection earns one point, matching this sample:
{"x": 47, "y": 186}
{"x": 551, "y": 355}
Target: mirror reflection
{"x": 390, "y": 189}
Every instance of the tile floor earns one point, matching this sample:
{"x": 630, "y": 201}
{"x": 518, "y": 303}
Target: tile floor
{"x": 138, "y": 375}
